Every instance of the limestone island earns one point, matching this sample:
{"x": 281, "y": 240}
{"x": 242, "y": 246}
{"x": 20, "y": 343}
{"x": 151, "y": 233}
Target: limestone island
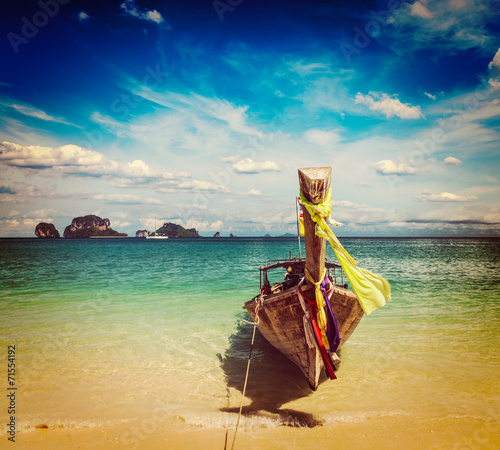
{"x": 90, "y": 226}
{"x": 173, "y": 230}
{"x": 47, "y": 231}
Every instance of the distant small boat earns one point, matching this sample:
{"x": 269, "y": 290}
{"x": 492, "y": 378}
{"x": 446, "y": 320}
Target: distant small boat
{"x": 286, "y": 313}
{"x": 154, "y": 235}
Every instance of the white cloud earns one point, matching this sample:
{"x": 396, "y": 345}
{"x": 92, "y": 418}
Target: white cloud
{"x": 388, "y": 106}
{"x": 43, "y": 157}
{"x": 231, "y": 159}
{"x": 200, "y": 225}
{"x": 447, "y": 197}
{"x": 130, "y": 8}
{"x": 322, "y": 137}
{"x": 457, "y": 4}
{"x": 494, "y": 65}
{"x": 329, "y": 93}
{"x": 73, "y": 160}
{"x": 420, "y": 10}
{"x": 235, "y": 117}
{"x": 253, "y": 193}
{"x": 200, "y": 109}
{"x": 41, "y": 215}
{"x": 27, "y": 193}
{"x": 481, "y": 111}
{"x": 495, "y": 62}
{"x": 348, "y": 212}
{"x": 83, "y": 16}
{"x": 388, "y": 167}
{"x": 138, "y": 168}
{"x": 308, "y": 69}
{"x": 452, "y": 161}
{"x": 247, "y": 165}
{"x": 465, "y": 35}
{"x": 448, "y": 26}
{"x": 481, "y": 190}
{"x": 126, "y": 199}
{"x": 108, "y": 123}
{"x": 37, "y": 113}
{"x": 201, "y": 185}
{"x": 431, "y": 96}
{"x": 494, "y": 84}
{"x": 117, "y": 224}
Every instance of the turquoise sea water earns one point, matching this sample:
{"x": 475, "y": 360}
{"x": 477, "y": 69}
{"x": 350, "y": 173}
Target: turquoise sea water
{"x": 116, "y": 330}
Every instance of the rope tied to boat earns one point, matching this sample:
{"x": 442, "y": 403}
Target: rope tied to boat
{"x": 259, "y": 300}
{"x": 320, "y": 301}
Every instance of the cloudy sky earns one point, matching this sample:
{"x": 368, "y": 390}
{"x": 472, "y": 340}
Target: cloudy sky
{"x": 201, "y": 112}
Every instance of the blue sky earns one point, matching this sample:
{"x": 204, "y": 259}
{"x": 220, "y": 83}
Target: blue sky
{"x": 200, "y": 113}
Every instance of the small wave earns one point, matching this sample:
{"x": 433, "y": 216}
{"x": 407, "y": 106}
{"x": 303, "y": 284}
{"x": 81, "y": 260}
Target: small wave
{"x": 34, "y": 425}
{"x": 358, "y": 417}
{"x": 251, "y": 420}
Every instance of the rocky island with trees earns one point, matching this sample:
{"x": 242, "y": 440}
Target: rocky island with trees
{"x": 90, "y": 226}
{"x": 93, "y": 226}
{"x": 47, "y": 230}
{"x": 172, "y": 230}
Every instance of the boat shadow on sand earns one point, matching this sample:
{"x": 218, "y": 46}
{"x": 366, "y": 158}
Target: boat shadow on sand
{"x": 272, "y": 382}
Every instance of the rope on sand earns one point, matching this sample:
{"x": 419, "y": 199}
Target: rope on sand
{"x": 259, "y": 303}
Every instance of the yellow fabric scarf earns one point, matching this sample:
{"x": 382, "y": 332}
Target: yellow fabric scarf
{"x": 320, "y": 302}
{"x": 371, "y": 289}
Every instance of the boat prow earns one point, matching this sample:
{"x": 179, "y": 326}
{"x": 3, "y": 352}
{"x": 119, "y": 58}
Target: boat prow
{"x": 308, "y": 315}
{"x": 281, "y": 317}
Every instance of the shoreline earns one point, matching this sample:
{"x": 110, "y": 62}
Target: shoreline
{"x": 390, "y": 432}
{"x": 145, "y": 356}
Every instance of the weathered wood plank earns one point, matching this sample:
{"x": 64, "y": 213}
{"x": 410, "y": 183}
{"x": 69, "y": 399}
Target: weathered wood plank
{"x": 282, "y": 325}
{"x": 281, "y": 314}
{"x": 314, "y": 184}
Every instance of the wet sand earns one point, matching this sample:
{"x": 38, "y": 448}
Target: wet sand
{"x": 121, "y": 365}
{"x": 378, "y": 433}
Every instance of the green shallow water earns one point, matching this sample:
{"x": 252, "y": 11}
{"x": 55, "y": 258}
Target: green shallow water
{"x": 111, "y": 330}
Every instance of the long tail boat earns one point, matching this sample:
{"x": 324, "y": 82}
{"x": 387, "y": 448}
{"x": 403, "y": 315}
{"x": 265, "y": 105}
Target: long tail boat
{"x": 284, "y": 311}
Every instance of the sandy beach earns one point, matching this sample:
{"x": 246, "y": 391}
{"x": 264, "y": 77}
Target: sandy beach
{"x": 377, "y": 433}
{"x": 167, "y": 168}
{"x": 146, "y": 364}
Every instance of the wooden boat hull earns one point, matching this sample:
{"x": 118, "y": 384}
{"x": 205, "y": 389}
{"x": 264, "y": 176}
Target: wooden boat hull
{"x": 281, "y": 323}
{"x": 280, "y": 313}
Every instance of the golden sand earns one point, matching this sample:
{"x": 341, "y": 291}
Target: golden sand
{"x": 379, "y": 433}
